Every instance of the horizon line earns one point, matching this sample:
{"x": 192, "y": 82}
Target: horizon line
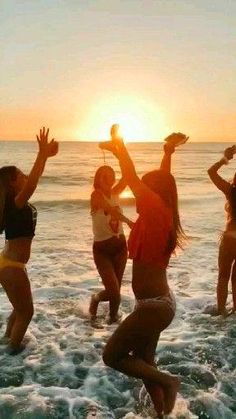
{"x": 127, "y": 142}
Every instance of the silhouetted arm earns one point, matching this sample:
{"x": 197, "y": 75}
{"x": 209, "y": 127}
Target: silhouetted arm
{"x": 166, "y": 159}
{"x": 220, "y": 183}
{"x": 46, "y": 149}
{"x": 119, "y": 187}
{"x": 173, "y": 140}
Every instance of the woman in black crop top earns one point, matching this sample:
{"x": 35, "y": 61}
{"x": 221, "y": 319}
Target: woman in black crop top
{"x": 18, "y": 220}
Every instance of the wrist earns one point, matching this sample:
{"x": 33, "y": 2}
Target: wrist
{"x": 42, "y": 155}
{"x": 169, "y": 152}
{"x": 169, "y": 149}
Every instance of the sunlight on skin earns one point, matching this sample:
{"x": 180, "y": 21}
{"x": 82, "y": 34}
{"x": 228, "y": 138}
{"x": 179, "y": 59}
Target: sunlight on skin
{"x": 139, "y": 120}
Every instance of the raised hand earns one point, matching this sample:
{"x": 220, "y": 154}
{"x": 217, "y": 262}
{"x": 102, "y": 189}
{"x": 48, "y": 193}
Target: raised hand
{"x": 229, "y": 152}
{"x": 174, "y": 140}
{"x": 46, "y": 147}
{"x": 112, "y": 146}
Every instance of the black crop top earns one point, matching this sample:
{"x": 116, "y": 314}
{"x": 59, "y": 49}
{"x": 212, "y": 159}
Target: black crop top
{"x": 20, "y": 222}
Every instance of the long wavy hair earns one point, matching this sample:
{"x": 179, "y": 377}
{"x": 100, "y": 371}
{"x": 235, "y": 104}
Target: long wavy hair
{"x": 8, "y": 174}
{"x": 163, "y": 183}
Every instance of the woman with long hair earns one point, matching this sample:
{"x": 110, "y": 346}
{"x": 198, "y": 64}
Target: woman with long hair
{"x": 227, "y": 249}
{"x": 109, "y": 244}
{"x": 18, "y": 220}
{"x": 153, "y": 238}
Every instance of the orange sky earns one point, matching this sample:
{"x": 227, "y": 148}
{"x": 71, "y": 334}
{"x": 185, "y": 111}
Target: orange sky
{"x": 154, "y": 68}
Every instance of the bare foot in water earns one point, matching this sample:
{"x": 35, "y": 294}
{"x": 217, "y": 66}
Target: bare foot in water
{"x": 116, "y": 319}
{"x": 15, "y": 350}
{"x": 170, "y": 394}
{"x": 93, "y": 306}
{"x": 157, "y": 395}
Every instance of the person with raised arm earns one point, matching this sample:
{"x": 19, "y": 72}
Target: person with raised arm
{"x": 109, "y": 244}
{"x": 18, "y": 220}
{"x": 153, "y": 238}
{"x": 227, "y": 249}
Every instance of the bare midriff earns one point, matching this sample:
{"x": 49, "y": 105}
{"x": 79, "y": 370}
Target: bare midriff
{"x": 18, "y": 249}
{"x": 148, "y": 280}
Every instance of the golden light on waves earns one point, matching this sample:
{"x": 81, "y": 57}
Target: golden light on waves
{"x": 139, "y": 119}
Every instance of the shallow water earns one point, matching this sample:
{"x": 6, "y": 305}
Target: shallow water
{"x": 61, "y": 373}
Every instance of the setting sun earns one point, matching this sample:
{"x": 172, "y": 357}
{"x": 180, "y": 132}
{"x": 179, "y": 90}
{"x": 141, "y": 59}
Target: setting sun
{"x": 138, "y": 119}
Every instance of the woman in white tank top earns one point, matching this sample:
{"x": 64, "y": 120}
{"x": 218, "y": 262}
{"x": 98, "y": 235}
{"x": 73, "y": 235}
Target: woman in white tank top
{"x": 109, "y": 246}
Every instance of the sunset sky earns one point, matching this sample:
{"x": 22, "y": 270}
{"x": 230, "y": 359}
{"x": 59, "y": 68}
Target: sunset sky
{"x": 154, "y": 66}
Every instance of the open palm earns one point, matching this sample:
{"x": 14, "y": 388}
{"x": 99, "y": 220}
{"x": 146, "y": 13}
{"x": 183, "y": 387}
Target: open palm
{"x": 46, "y": 147}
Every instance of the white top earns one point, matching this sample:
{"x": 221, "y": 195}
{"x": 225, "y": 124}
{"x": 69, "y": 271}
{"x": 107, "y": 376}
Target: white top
{"x": 105, "y": 225}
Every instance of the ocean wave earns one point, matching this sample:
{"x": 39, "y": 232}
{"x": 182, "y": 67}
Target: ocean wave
{"x": 65, "y": 180}
{"x": 81, "y": 203}
{"x": 124, "y": 202}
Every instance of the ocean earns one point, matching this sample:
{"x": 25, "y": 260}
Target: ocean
{"x": 61, "y": 373}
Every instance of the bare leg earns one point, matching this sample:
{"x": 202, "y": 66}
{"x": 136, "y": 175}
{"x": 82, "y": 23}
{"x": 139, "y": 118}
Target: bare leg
{"x": 110, "y": 282}
{"x": 10, "y": 323}
{"x": 111, "y": 294}
{"x": 233, "y": 282}
{"x": 135, "y": 331}
{"x": 225, "y": 261}
{"x": 17, "y": 286}
{"x": 119, "y": 263}
{"x": 155, "y": 390}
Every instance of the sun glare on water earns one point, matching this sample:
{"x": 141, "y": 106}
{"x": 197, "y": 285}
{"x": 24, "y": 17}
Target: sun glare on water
{"x": 139, "y": 120}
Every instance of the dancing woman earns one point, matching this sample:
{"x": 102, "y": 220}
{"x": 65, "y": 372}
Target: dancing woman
{"x": 18, "y": 220}
{"x": 153, "y": 238}
{"x": 109, "y": 245}
{"x": 227, "y": 249}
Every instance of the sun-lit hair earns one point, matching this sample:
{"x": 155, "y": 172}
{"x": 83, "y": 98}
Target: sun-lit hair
{"x": 101, "y": 171}
{"x": 163, "y": 183}
{"x": 8, "y": 174}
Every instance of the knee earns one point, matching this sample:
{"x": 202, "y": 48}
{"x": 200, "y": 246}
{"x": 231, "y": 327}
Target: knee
{"x": 114, "y": 295}
{"x": 223, "y": 277}
{"x": 26, "y": 314}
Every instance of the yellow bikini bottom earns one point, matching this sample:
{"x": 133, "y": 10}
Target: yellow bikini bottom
{"x": 5, "y": 262}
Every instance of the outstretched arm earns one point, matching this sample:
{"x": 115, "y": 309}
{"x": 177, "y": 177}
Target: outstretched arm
{"x": 119, "y": 187}
{"x": 46, "y": 149}
{"x": 118, "y": 148}
{"x": 172, "y": 141}
{"x": 221, "y": 183}
{"x": 166, "y": 159}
